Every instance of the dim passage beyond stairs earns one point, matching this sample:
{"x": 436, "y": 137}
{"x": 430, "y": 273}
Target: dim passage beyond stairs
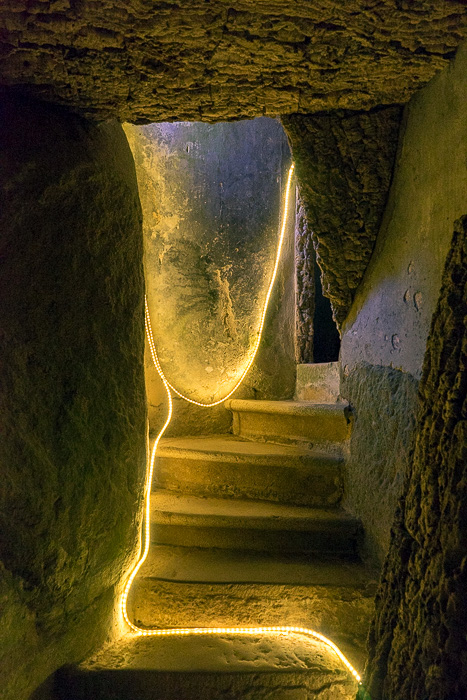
{"x": 247, "y": 529}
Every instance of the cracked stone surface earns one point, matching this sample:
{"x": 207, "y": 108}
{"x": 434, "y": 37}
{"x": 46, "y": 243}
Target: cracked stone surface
{"x": 340, "y": 608}
{"x": 142, "y": 61}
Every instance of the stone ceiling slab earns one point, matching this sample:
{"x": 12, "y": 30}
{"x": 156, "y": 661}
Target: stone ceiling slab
{"x": 145, "y": 61}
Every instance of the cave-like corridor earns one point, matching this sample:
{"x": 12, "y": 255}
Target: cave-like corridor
{"x": 145, "y": 152}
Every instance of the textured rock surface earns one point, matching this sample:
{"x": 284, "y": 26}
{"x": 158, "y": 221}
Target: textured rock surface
{"x": 344, "y": 163}
{"x": 418, "y": 647}
{"x": 212, "y": 199}
{"x": 72, "y": 405}
{"x": 318, "y": 382}
{"x": 305, "y": 287}
{"x": 385, "y": 334}
{"x": 340, "y": 609}
{"x": 154, "y": 61}
{"x": 383, "y": 404}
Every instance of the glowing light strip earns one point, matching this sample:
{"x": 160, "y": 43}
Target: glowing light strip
{"x": 202, "y": 631}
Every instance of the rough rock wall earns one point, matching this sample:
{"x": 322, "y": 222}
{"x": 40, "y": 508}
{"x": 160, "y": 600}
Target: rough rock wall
{"x": 417, "y": 646}
{"x": 344, "y": 163}
{"x": 143, "y": 61}
{"x": 305, "y": 287}
{"x": 72, "y": 403}
{"x": 385, "y": 333}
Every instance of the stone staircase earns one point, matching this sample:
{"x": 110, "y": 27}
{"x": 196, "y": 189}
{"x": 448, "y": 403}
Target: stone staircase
{"x": 247, "y": 530}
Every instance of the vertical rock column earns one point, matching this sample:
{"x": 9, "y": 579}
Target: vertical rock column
{"x": 72, "y": 402}
{"x": 305, "y": 287}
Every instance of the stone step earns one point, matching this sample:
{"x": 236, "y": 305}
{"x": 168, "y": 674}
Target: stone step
{"x": 250, "y": 525}
{"x": 283, "y": 667}
{"x": 189, "y": 587}
{"x": 325, "y": 426}
{"x": 339, "y": 610}
{"x": 199, "y": 565}
{"x": 319, "y": 382}
{"x": 228, "y": 467}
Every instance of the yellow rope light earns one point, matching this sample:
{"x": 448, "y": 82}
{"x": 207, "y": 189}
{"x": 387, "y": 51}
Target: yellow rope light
{"x": 201, "y": 631}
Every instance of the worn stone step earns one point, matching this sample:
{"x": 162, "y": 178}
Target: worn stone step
{"x": 318, "y": 382}
{"x": 197, "y": 564}
{"x": 283, "y": 667}
{"x": 250, "y": 525}
{"x": 325, "y": 426}
{"x": 340, "y": 611}
{"x": 336, "y": 598}
{"x": 226, "y": 466}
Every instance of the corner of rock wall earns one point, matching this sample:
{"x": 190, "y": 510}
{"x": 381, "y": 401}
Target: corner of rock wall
{"x": 417, "y": 643}
{"x": 72, "y": 399}
{"x": 384, "y": 337}
{"x": 344, "y": 163}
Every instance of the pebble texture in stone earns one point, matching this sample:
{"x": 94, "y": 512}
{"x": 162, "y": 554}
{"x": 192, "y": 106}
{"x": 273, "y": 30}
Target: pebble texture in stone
{"x": 143, "y": 61}
{"x": 72, "y": 405}
{"x": 344, "y": 163}
{"x": 417, "y": 644}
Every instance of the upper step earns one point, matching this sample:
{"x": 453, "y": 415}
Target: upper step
{"x": 284, "y": 422}
{"x": 230, "y": 566}
{"x": 226, "y": 466}
{"x": 318, "y": 382}
{"x": 250, "y": 525}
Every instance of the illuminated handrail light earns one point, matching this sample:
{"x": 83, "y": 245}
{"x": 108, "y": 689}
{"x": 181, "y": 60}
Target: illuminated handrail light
{"x": 201, "y": 631}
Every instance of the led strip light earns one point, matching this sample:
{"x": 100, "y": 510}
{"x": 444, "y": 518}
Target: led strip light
{"x": 201, "y": 631}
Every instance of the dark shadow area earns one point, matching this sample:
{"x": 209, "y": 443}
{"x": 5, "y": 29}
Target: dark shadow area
{"x": 326, "y": 340}
{"x": 152, "y": 684}
{"x": 46, "y": 690}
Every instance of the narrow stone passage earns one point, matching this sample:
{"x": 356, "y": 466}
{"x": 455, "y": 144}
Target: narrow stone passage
{"x": 247, "y": 530}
